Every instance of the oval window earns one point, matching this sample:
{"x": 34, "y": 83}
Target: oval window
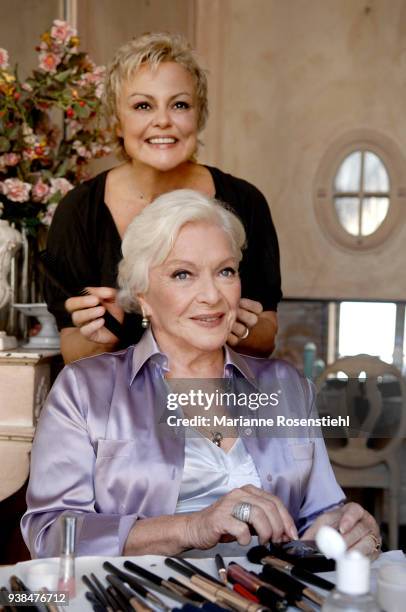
{"x": 359, "y": 190}
{"x": 361, "y": 193}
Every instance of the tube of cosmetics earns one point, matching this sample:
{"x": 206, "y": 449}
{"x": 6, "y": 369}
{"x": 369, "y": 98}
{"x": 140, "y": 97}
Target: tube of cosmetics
{"x": 66, "y": 579}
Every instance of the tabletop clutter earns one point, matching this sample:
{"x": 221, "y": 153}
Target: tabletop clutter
{"x": 285, "y": 577}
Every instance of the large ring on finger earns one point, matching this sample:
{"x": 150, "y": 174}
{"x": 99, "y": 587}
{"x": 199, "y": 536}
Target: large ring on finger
{"x": 377, "y": 542}
{"x": 242, "y": 512}
{"x": 245, "y": 334}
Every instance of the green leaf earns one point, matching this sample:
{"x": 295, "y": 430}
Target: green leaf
{"x": 62, "y": 168}
{"x": 4, "y": 144}
{"x": 54, "y": 199}
{"x": 82, "y": 111}
{"x": 63, "y": 76}
{"x": 14, "y": 132}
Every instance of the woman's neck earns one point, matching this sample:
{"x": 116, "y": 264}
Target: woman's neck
{"x": 150, "y": 182}
{"x": 187, "y": 362}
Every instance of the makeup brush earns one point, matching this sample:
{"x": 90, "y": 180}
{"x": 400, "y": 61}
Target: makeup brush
{"x": 221, "y": 568}
{"x": 260, "y": 554}
{"x": 6, "y": 593}
{"x": 185, "y": 592}
{"x": 96, "y": 605}
{"x": 110, "y": 600}
{"x": 98, "y": 592}
{"x": 288, "y": 583}
{"x": 50, "y": 607}
{"x": 160, "y": 582}
{"x": 197, "y": 570}
{"x": 132, "y": 598}
{"x": 136, "y": 586}
{"x": 252, "y": 583}
{"x": 119, "y": 599}
{"x": 221, "y": 593}
{"x": 49, "y": 266}
{"x": 16, "y": 584}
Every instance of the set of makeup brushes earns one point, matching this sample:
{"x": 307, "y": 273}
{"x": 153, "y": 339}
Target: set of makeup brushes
{"x": 276, "y": 587}
{"x": 236, "y": 588}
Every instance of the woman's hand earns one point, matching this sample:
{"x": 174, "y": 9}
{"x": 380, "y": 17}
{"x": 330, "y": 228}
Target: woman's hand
{"x": 247, "y": 317}
{"x": 254, "y": 330}
{"x": 268, "y": 517}
{"x": 358, "y": 528}
{"x": 87, "y": 313}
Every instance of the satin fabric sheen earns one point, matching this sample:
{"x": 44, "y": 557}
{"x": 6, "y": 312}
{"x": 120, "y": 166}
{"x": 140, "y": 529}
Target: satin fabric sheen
{"x": 103, "y": 450}
{"x": 210, "y": 473}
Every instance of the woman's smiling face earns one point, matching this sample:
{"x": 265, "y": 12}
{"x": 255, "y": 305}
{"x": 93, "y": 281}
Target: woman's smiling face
{"x": 193, "y": 296}
{"x": 158, "y": 116}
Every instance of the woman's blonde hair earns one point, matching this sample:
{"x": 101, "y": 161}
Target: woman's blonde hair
{"x": 151, "y": 235}
{"x": 151, "y": 49}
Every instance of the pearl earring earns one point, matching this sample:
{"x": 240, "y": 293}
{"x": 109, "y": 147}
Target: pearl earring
{"x": 145, "y": 320}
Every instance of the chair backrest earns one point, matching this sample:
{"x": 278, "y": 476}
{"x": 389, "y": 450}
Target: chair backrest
{"x": 373, "y": 394}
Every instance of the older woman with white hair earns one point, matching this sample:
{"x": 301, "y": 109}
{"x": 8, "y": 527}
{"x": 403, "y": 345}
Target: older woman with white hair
{"x": 142, "y": 478}
{"x": 157, "y": 105}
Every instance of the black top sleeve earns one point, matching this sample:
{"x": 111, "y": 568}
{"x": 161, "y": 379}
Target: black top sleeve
{"x": 85, "y": 245}
{"x": 70, "y": 253}
{"x": 260, "y": 266}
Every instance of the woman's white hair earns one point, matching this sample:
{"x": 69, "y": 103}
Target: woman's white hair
{"x": 152, "y": 234}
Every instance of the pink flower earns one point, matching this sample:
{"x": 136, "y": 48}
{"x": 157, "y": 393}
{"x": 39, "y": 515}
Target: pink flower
{"x": 62, "y": 31}
{"x": 11, "y": 159}
{"x": 3, "y": 59}
{"x": 81, "y": 150}
{"x": 49, "y": 61}
{"x": 29, "y": 154}
{"x": 60, "y": 184}
{"x": 26, "y": 87}
{"x": 74, "y": 126}
{"x": 99, "y": 149}
{"x": 48, "y": 215}
{"x": 16, "y": 190}
{"x": 99, "y": 90}
{"x": 40, "y": 191}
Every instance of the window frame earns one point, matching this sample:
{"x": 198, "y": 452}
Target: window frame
{"x": 324, "y": 191}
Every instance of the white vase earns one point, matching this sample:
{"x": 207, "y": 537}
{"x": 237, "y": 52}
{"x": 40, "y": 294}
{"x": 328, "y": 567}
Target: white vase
{"x": 10, "y": 242}
{"x": 48, "y": 337}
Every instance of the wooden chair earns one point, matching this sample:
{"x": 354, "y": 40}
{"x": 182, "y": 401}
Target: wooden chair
{"x": 373, "y": 394}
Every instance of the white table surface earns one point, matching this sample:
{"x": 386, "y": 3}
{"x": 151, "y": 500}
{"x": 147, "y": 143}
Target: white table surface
{"x": 86, "y": 565}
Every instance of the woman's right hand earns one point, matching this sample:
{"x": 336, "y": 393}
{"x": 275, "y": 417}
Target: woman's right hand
{"x": 87, "y": 313}
{"x": 269, "y": 518}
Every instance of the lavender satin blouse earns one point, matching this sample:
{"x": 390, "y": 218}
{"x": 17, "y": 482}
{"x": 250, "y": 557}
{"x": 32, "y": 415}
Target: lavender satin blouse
{"x": 103, "y": 449}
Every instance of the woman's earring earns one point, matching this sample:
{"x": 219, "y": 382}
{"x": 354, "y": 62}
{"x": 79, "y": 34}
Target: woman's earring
{"x": 145, "y": 320}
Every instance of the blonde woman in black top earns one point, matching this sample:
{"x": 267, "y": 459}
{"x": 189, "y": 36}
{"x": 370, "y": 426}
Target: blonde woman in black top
{"x": 156, "y": 103}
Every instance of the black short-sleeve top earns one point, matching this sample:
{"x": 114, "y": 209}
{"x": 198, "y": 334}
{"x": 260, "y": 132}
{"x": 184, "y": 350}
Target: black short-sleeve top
{"x": 84, "y": 241}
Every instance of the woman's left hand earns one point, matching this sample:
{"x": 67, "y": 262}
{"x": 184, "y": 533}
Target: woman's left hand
{"x": 247, "y": 317}
{"x": 358, "y": 528}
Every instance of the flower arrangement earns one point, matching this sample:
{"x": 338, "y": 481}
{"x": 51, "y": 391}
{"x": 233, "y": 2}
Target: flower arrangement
{"x": 39, "y": 160}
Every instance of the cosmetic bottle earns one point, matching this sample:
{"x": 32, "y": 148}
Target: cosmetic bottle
{"x": 66, "y": 579}
{"x": 353, "y": 572}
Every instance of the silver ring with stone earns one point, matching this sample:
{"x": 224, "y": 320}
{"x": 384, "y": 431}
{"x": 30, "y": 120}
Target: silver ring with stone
{"x": 242, "y": 512}
{"x": 246, "y": 334}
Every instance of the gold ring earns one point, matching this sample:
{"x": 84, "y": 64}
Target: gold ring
{"x": 377, "y": 542}
{"x": 246, "y": 334}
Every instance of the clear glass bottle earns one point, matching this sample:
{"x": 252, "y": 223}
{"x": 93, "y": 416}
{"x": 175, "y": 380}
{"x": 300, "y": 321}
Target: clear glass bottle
{"x": 352, "y": 591}
{"x": 66, "y": 579}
